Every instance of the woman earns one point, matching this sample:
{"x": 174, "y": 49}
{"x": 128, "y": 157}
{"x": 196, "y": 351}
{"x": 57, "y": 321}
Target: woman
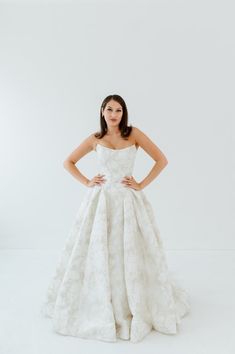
{"x": 112, "y": 280}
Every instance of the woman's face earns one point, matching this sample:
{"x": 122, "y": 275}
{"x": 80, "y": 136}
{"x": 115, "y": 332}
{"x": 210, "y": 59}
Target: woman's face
{"x": 112, "y": 113}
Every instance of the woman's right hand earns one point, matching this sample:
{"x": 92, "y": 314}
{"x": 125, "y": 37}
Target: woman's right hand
{"x": 97, "y": 180}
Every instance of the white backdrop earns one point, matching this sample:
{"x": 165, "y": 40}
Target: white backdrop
{"x": 171, "y": 61}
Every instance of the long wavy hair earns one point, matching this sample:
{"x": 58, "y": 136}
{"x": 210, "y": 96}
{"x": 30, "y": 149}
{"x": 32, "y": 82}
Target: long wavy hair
{"x": 123, "y": 125}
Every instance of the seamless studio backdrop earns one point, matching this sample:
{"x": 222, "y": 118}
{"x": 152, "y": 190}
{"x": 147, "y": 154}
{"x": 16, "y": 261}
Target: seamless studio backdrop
{"x": 173, "y": 63}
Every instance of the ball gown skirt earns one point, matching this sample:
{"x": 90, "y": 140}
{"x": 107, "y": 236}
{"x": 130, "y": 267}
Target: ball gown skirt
{"x": 112, "y": 279}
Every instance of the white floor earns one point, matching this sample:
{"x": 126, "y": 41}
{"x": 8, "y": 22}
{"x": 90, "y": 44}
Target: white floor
{"x": 208, "y": 276}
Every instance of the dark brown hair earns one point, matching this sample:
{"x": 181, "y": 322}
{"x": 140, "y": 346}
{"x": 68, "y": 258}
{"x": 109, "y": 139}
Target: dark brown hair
{"x": 123, "y": 125}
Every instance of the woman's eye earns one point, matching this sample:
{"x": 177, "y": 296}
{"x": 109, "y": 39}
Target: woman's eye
{"x": 109, "y": 109}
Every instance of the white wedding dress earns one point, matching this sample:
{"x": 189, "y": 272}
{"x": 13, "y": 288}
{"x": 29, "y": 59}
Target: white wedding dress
{"x": 112, "y": 279}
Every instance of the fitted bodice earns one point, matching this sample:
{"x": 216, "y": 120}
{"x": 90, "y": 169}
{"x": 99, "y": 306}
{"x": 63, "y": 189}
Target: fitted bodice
{"x": 115, "y": 163}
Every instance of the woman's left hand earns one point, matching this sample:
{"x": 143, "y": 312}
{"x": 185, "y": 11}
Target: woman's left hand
{"x": 129, "y": 181}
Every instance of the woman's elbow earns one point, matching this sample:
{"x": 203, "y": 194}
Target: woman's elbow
{"x": 66, "y": 163}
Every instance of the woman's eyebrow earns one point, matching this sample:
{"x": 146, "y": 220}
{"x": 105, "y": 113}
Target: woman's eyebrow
{"x": 117, "y": 108}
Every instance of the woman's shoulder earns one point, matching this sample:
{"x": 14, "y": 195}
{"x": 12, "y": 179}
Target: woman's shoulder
{"x": 135, "y": 129}
{"x": 136, "y": 132}
{"x": 93, "y": 137}
{"x": 139, "y": 136}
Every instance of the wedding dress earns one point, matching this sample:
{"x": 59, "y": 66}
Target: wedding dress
{"x": 112, "y": 280}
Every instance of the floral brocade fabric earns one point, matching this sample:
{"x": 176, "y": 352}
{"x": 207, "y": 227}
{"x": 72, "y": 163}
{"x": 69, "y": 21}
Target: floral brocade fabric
{"x": 112, "y": 279}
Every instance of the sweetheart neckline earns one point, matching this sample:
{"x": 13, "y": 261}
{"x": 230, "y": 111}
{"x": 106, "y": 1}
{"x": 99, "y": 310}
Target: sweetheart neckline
{"x": 117, "y": 149}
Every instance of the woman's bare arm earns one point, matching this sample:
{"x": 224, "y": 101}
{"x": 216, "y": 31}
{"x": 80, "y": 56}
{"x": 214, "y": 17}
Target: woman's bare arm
{"x": 69, "y": 164}
{"x": 152, "y": 150}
